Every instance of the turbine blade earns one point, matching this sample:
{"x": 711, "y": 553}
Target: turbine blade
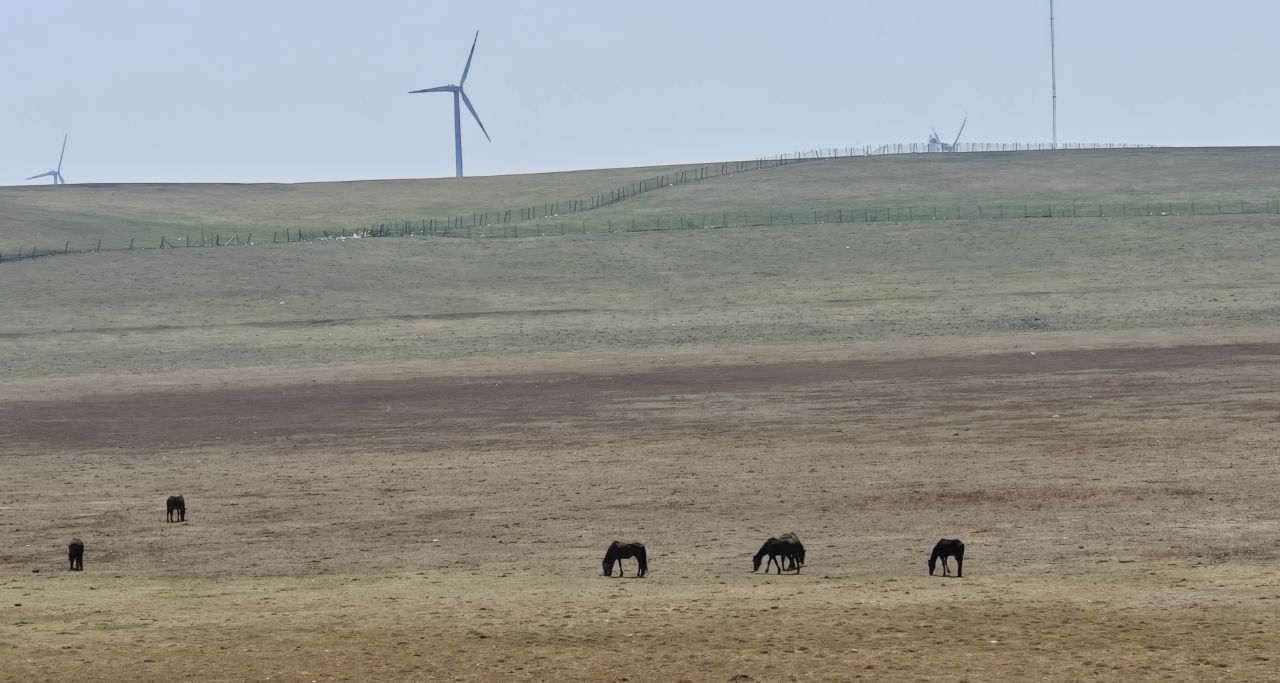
{"x": 467, "y": 101}
{"x": 41, "y": 175}
{"x": 469, "y": 56}
{"x": 935, "y": 134}
{"x": 442, "y": 88}
{"x": 966, "y": 120}
{"x": 64, "y": 151}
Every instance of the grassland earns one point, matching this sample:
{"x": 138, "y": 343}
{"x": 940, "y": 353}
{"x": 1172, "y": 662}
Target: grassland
{"x": 48, "y": 216}
{"x": 403, "y": 457}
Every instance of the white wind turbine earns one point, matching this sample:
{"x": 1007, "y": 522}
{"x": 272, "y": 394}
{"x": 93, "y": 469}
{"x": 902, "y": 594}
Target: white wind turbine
{"x": 57, "y": 172}
{"x": 460, "y": 94}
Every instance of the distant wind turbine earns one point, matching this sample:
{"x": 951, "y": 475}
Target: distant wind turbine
{"x": 460, "y": 94}
{"x": 56, "y": 173}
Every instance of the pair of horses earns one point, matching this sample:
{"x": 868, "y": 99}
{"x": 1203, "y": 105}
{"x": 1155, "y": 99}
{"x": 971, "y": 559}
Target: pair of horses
{"x": 783, "y": 548}
{"x": 175, "y": 511}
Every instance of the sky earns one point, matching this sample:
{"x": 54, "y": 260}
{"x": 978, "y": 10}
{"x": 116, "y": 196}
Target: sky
{"x": 313, "y": 90}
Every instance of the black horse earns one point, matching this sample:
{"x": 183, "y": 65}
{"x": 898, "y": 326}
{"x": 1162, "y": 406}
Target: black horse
{"x": 176, "y": 509}
{"x": 948, "y": 547}
{"x": 75, "y": 554}
{"x": 621, "y": 550}
{"x": 786, "y": 546}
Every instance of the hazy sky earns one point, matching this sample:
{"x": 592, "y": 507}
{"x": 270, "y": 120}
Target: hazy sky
{"x": 293, "y": 90}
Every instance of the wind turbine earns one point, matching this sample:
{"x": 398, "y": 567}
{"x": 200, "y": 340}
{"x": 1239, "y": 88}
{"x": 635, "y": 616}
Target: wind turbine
{"x": 460, "y": 94}
{"x": 56, "y": 173}
{"x": 936, "y": 140}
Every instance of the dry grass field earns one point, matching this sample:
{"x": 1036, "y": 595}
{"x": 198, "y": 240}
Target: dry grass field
{"x": 403, "y": 458}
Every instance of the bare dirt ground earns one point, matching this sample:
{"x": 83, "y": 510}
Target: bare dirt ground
{"x": 1118, "y": 506}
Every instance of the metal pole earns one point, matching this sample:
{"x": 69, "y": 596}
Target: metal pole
{"x": 1053, "y": 74}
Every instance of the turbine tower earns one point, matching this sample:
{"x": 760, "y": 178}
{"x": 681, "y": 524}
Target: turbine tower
{"x": 57, "y": 172}
{"x": 460, "y": 94}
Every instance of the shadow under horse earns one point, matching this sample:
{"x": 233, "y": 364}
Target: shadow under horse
{"x": 175, "y": 509}
{"x": 785, "y": 546}
{"x": 621, "y": 550}
{"x": 948, "y": 547}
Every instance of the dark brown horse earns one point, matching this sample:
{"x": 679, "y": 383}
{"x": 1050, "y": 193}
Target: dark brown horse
{"x": 75, "y": 554}
{"x": 175, "y": 509}
{"x": 948, "y": 547}
{"x": 621, "y": 550}
{"x": 786, "y": 546}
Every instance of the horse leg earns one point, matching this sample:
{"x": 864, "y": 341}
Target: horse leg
{"x": 946, "y": 571}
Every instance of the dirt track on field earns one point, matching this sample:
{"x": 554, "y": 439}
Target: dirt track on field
{"x": 1118, "y": 506}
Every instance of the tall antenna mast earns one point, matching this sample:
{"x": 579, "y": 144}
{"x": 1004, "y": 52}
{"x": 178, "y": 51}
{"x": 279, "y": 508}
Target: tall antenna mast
{"x": 1053, "y": 75}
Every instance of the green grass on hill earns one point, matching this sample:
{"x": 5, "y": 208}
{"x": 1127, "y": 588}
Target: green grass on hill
{"x": 49, "y": 216}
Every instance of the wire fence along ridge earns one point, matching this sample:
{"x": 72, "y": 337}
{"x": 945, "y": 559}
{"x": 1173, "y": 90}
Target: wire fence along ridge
{"x": 558, "y": 209}
{"x": 915, "y": 213}
{"x": 513, "y": 220}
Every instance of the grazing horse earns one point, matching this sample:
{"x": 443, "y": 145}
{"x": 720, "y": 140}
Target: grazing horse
{"x": 176, "y": 509}
{"x": 948, "y": 547}
{"x": 75, "y": 554}
{"x": 786, "y": 546}
{"x": 621, "y": 550}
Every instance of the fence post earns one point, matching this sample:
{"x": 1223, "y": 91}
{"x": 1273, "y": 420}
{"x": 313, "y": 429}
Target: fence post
{"x": 131, "y": 245}
{"x": 66, "y": 248}
{"x": 99, "y": 247}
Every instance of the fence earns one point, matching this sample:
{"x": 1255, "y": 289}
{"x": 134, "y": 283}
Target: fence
{"x": 550, "y": 210}
{"x": 919, "y": 213}
{"x": 916, "y": 213}
{"x": 531, "y": 219}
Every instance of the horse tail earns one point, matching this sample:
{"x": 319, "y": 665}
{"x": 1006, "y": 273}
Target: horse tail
{"x": 642, "y": 559}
